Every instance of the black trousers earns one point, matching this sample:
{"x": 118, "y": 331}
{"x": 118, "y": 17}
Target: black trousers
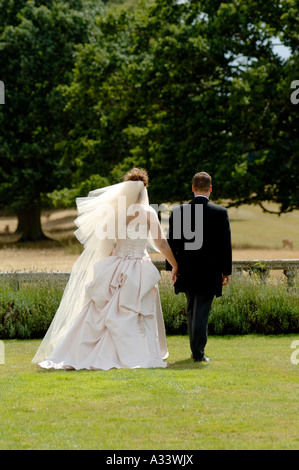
{"x": 198, "y": 309}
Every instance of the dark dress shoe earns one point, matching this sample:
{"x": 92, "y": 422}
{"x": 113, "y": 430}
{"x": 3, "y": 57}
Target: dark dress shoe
{"x": 202, "y": 359}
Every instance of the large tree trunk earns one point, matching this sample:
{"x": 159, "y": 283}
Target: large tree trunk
{"x": 29, "y": 222}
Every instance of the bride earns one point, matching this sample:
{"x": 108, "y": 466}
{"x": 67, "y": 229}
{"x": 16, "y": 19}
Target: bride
{"x": 110, "y": 314}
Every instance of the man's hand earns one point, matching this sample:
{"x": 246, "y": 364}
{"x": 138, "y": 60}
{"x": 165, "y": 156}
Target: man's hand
{"x": 226, "y": 280}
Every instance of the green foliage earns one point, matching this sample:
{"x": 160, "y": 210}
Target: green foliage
{"x": 67, "y": 197}
{"x": 38, "y": 41}
{"x": 248, "y": 306}
{"x": 28, "y": 312}
{"x": 173, "y": 307}
{"x": 178, "y": 87}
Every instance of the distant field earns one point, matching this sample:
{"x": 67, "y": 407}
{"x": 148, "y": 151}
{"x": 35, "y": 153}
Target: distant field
{"x": 255, "y": 235}
{"x": 253, "y": 228}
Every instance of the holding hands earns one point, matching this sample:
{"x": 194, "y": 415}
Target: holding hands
{"x": 174, "y": 274}
{"x": 226, "y": 280}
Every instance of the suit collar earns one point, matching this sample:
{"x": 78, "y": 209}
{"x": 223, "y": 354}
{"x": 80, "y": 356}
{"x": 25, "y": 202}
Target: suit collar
{"x": 200, "y": 200}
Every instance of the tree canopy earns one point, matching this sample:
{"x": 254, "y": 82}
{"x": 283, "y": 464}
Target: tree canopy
{"x": 37, "y": 54}
{"x": 173, "y": 86}
{"x": 179, "y": 87}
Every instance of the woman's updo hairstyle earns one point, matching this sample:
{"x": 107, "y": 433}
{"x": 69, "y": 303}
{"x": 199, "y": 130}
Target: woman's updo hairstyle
{"x": 137, "y": 174}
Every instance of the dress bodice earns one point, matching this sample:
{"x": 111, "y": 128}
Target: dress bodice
{"x": 134, "y": 245}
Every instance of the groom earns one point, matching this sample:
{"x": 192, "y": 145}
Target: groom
{"x": 199, "y": 236}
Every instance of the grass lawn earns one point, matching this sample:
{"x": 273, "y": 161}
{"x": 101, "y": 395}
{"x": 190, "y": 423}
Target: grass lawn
{"x": 245, "y": 398}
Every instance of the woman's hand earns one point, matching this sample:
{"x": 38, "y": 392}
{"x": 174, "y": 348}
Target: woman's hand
{"x": 174, "y": 274}
{"x": 162, "y": 244}
{"x": 226, "y": 280}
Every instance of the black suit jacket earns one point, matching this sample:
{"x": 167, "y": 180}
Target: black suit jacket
{"x": 201, "y": 270}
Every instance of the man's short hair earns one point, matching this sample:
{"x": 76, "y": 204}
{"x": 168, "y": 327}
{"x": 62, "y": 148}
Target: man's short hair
{"x": 202, "y": 181}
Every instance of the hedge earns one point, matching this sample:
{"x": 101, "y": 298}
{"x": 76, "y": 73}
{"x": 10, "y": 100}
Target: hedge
{"x": 248, "y": 305}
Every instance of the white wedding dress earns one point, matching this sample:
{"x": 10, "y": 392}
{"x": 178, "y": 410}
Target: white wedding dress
{"x": 121, "y": 324}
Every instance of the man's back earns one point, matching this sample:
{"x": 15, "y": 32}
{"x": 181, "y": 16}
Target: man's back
{"x": 201, "y": 269}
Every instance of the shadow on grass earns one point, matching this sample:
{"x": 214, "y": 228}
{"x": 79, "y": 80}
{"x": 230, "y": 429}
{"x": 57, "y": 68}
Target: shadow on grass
{"x": 187, "y": 364}
{"x": 178, "y": 365}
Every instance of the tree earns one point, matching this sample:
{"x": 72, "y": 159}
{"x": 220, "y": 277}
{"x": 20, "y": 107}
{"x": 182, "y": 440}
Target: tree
{"x": 265, "y": 122}
{"x": 38, "y": 42}
{"x": 182, "y": 86}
